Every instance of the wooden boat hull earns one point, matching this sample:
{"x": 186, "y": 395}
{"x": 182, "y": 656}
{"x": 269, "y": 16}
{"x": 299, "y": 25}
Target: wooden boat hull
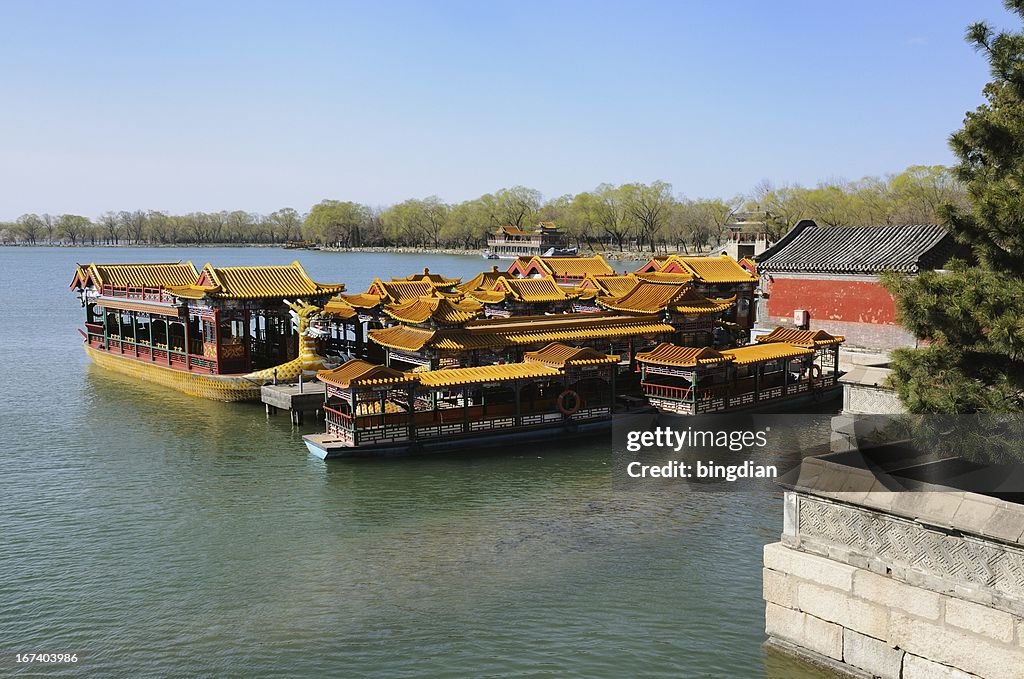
{"x": 329, "y": 447}
{"x": 215, "y": 387}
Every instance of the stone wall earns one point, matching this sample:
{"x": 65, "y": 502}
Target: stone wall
{"x": 907, "y": 585}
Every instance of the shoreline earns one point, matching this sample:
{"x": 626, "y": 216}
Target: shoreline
{"x": 611, "y": 255}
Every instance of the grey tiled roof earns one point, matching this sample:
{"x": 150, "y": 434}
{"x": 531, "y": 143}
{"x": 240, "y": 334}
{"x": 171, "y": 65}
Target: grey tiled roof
{"x": 859, "y": 249}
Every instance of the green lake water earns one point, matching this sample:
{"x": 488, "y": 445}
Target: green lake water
{"x": 158, "y": 535}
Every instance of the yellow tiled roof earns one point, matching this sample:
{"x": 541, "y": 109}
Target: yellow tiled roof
{"x": 533, "y": 289}
{"x": 154, "y": 275}
{"x": 575, "y": 267}
{"x": 803, "y": 338}
{"x": 486, "y": 373}
{"x": 721, "y": 269}
{"x": 361, "y": 373}
{"x": 648, "y": 298}
{"x": 663, "y": 277}
{"x": 441, "y": 310}
{"x": 772, "y": 351}
{"x": 256, "y": 282}
{"x": 611, "y": 286}
{"x": 436, "y": 279}
{"x": 582, "y": 293}
{"x": 683, "y": 357}
{"x": 402, "y": 291}
{"x": 487, "y": 296}
{"x": 362, "y": 300}
{"x": 560, "y": 355}
{"x": 522, "y": 330}
{"x": 695, "y": 303}
{"x": 483, "y": 281}
{"x": 339, "y": 308}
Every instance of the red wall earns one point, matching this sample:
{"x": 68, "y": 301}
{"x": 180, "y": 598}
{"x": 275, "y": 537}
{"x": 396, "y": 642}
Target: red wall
{"x": 835, "y": 300}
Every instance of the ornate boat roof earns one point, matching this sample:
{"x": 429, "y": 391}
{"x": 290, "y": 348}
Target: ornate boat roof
{"x": 486, "y": 373}
{"x": 612, "y": 286}
{"x": 559, "y": 355}
{"x": 361, "y": 373}
{"x": 436, "y": 279}
{"x": 484, "y": 280}
{"x": 682, "y": 357}
{"x": 440, "y": 310}
{"x": 720, "y": 269}
{"x": 533, "y": 290}
{"x": 148, "y": 275}
{"x": 772, "y": 351}
{"x": 803, "y": 338}
{"x": 520, "y": 330}
{"x": 574, "y": 267}
{"x": 254, "y": 282}
{"x": 648, "y": 297}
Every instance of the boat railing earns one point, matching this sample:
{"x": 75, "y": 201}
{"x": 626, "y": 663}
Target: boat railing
{"x": 666, "y": 391}
{"x": 155, "y": 353}
{"x": 138, "y": 293}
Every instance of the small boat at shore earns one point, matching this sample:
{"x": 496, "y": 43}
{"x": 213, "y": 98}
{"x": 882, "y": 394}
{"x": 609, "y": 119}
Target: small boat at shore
{"x": 785, "y": 368}
{"x": 554, "y": 393}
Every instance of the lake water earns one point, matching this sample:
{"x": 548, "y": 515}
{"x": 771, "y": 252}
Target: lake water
{"x": 157, "y": 535}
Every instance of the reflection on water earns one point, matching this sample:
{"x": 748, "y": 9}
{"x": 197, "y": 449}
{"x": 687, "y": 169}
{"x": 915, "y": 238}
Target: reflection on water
{"x": 159, "y": 535}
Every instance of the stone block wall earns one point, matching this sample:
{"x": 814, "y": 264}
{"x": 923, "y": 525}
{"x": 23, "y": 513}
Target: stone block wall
{"x": 898, "y": 585}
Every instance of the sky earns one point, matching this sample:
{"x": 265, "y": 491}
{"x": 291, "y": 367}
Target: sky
{"x": 257, "y": 106}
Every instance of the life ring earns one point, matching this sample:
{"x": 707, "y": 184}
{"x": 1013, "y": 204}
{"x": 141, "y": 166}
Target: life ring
{"x": 576, "y": 402}
{"x": 813, "y": 371}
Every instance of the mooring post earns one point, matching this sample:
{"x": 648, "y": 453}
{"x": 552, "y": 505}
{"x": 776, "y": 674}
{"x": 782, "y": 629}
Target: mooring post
{"x": 300, "y": 381}
{"x": 275, "y": 377}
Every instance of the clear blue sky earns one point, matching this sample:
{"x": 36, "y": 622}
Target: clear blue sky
{"x": 256, "y": 106}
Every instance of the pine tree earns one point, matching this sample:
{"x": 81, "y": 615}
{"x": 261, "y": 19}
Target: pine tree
{"x": 970, "y": 318}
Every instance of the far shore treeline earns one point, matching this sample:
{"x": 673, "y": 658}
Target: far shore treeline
{"x": 630, "y": 216}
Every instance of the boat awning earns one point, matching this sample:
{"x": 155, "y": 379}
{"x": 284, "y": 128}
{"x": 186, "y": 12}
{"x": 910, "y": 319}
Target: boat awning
{"x": 682, "y": 357}
{"x": 772, "y": 351}
{"x": 486, "y": 373}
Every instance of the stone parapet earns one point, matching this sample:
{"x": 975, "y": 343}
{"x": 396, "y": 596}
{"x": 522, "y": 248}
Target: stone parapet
{"x": 898, "y": 585}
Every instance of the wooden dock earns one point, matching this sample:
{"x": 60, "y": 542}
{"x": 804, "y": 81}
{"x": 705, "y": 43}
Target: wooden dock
{"x": 296, "y": 397}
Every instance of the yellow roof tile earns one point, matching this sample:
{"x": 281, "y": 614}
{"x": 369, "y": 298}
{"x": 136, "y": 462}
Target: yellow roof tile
{"x": 695, "y": 303}
{"x": 521, "y": 330}
{"x": 722, "y": 269}
{"x": 154, "y": 275}
{"x": 401, "y": 291}
{"x": 803, "y": 338}
{"x": 533, "y": 289}
{"x": 441, "y": 310}
{"x": 683, "y": 357}
{"x": 575, "y": 267}
{"x": 257, "y": 282}
{"x": 361, "y": 373}
{"x": 487, "y": 296}
{"x": 663, "y": 277}
{"x": 772, "y": 351}
{"x": 487, "y": 373}
{"x": 339, "y": 308}
{"x": 436, "y": 279}
{"x": 362, "y": 300}
{"x": 611, "y": 286}
{"x": 560, "y": 355}
{"x": 483, "y": 281}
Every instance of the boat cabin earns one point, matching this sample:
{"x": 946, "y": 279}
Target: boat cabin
{"x": 373, "y": 405}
